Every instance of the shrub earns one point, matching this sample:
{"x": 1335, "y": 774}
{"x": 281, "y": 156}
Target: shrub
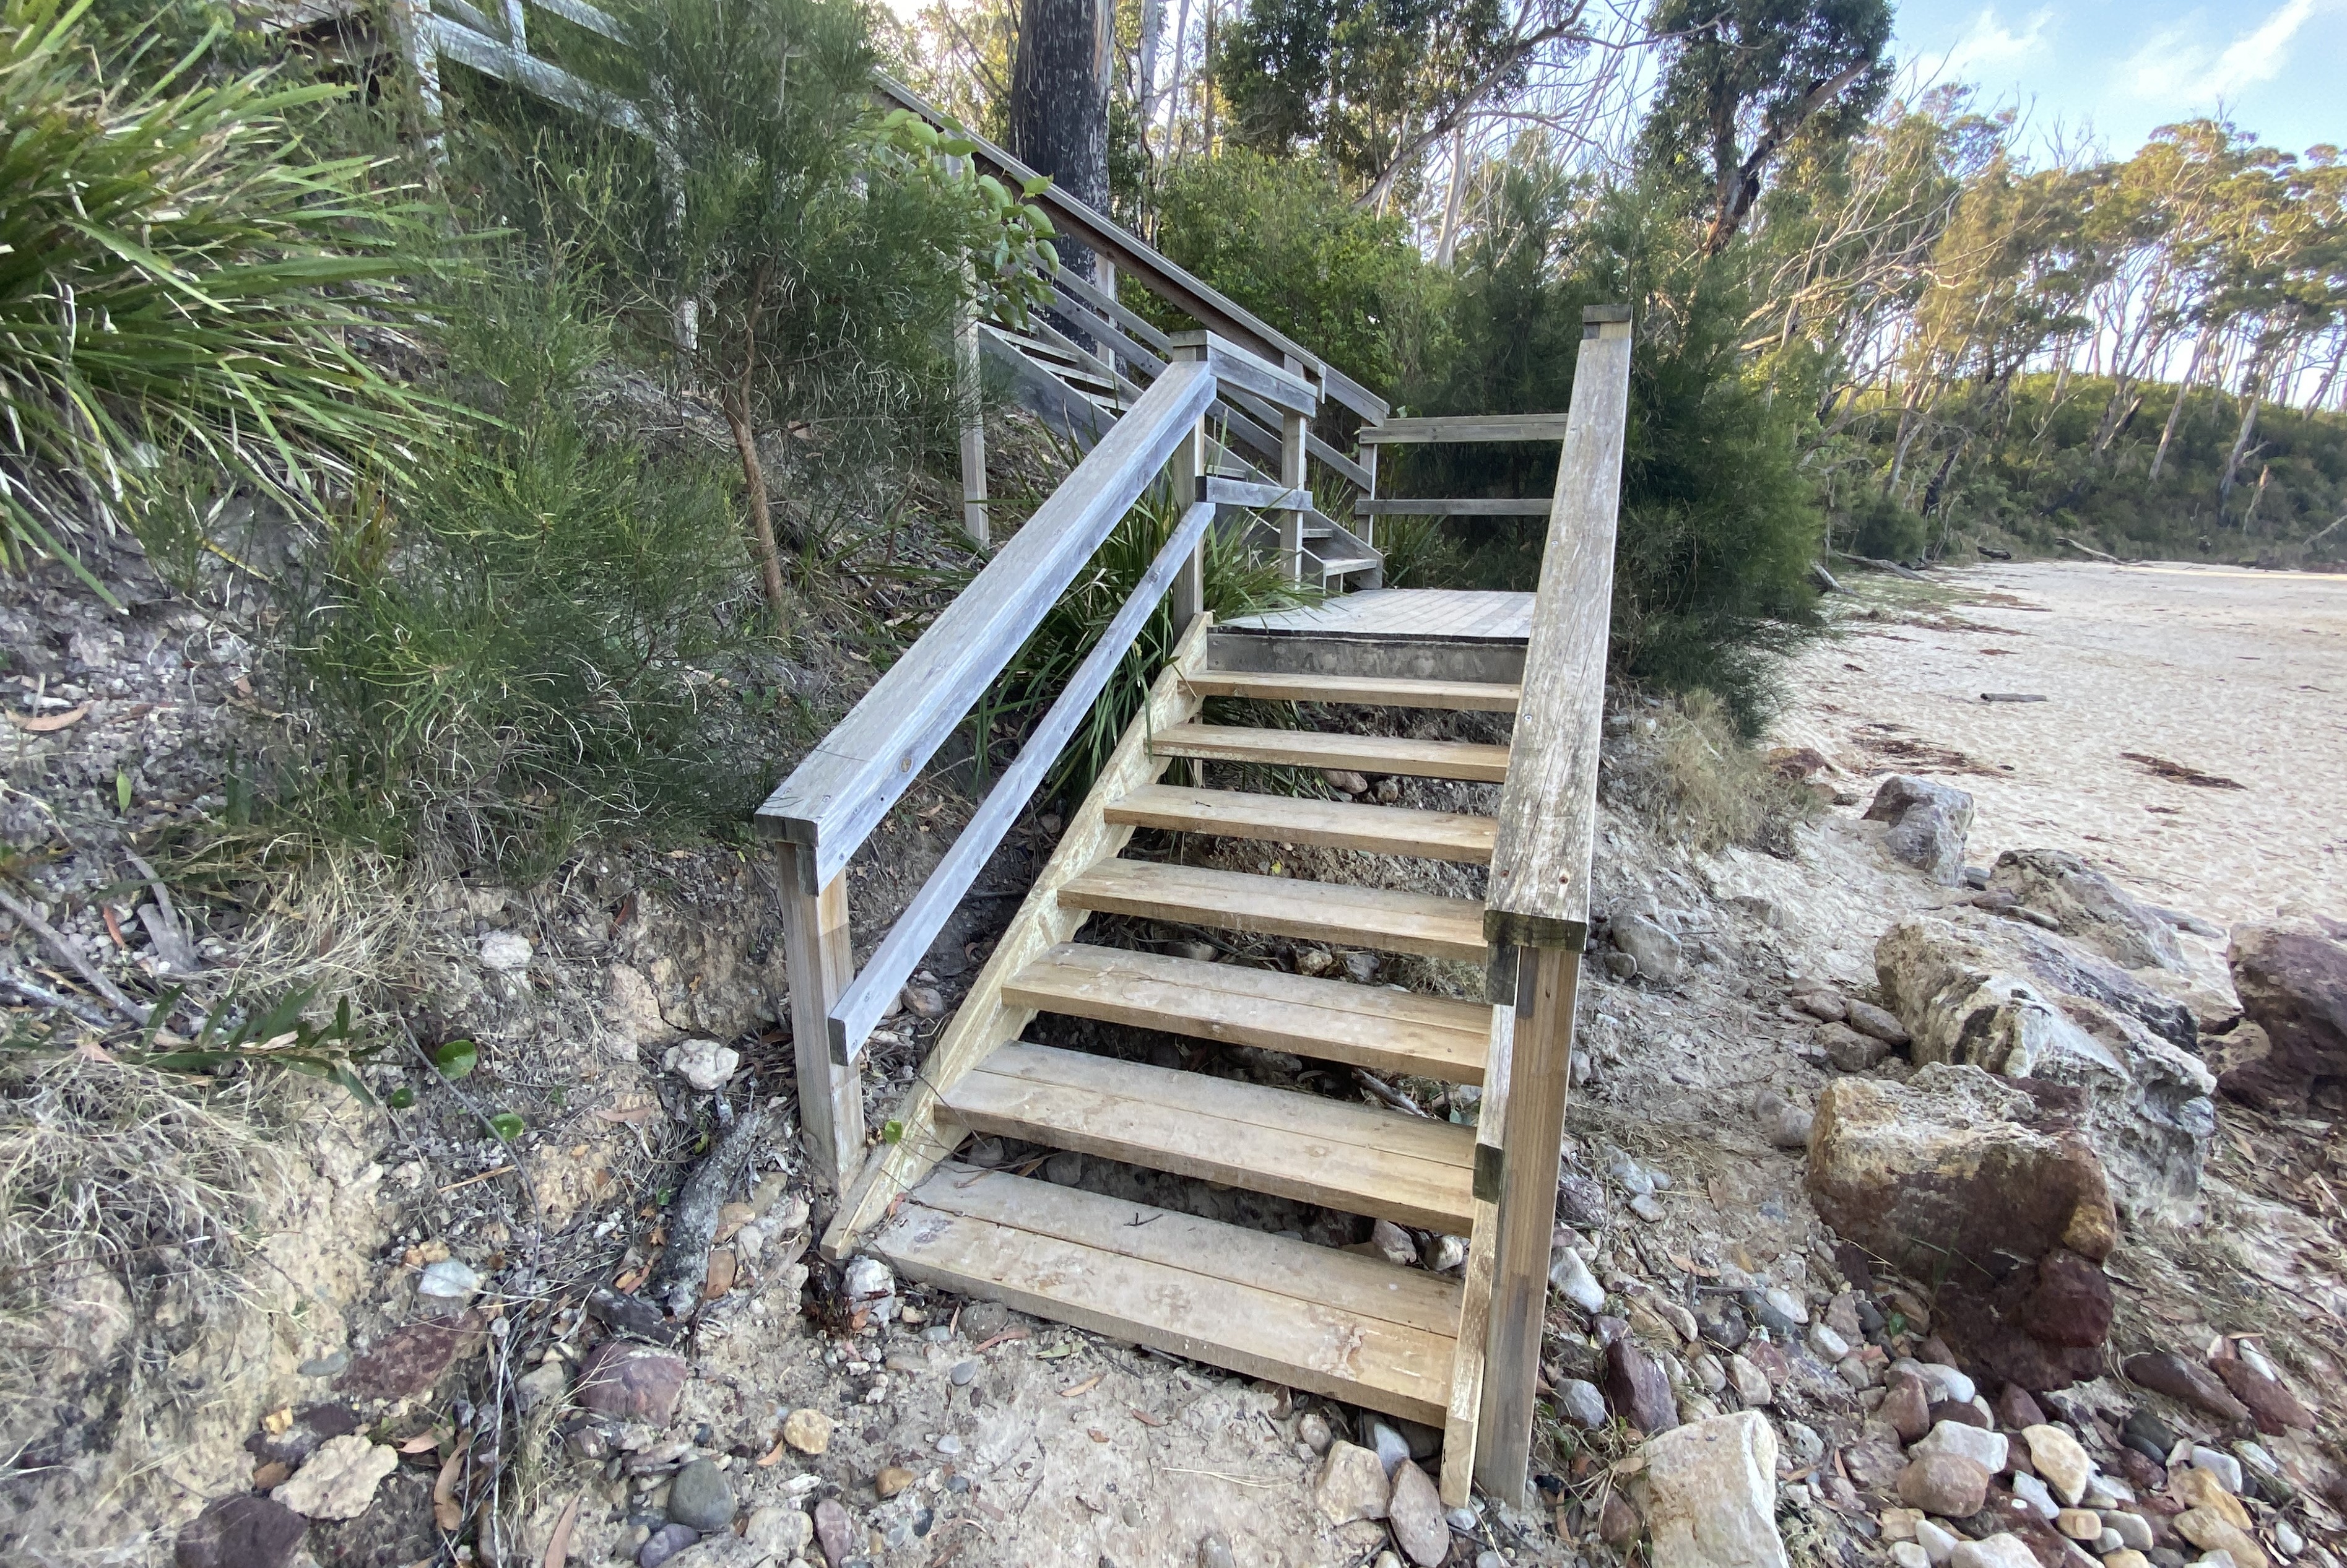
{"x": 185, "y": 284}
{"x": 1881, "y": 528}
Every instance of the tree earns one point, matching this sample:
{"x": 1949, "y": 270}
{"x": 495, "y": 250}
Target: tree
{"x": 1744, "y": 78}
{"x": 1059, "y": 102}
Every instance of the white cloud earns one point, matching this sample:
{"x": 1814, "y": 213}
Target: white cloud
{"x": 2176, "y": 67}
{"x": 1990, "y": 44}
{"x": 2259, "y": 56}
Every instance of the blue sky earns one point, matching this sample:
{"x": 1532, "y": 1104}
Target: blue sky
{"x": 2278, "y": 68}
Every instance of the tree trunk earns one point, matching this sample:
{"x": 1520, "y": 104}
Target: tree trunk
{"x": 1174, "y": 86}
{"x": 2183, "y": 391}
{"x": 2252, "y": 394}
{"x": 762, "y": 514}
{"x": 1058, "y": 105}
{"x": 1456, "y": 200}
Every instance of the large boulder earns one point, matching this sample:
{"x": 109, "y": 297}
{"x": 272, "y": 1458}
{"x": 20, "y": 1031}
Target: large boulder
{"x": 2088, "y": 907}
{"x": 2024, "y": 1005}
{"x": 2291, "y": 977}
{"x": 1956, "y": 1162}
{"x": 1928, "y": 822}
{"x": 1708, "y": 1492}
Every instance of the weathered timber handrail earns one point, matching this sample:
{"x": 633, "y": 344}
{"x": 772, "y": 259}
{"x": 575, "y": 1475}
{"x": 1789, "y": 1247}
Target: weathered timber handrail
{"x": 1536, "y": 903}
{"x": 835, "y": 798}
{"x": 892, "y": 963}
{"x": 1464, "y": 428}
{"x": 1466, "y": 506}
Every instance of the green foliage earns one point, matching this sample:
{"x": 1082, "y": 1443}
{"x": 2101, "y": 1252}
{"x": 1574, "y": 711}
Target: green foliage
{"x": 186, "y": 284}
{"x": 1282, "y": 238}
{"x": 1881, "y": 526}
{"x": 235, "y": 1033}
{"x": 534, "y": 644}
{"x": 1718, "y": 525}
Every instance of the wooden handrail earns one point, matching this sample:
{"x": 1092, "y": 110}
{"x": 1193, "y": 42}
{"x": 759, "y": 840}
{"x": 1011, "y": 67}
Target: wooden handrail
{"x": 835, "y": 798}
{"x": 1468, "y": 427}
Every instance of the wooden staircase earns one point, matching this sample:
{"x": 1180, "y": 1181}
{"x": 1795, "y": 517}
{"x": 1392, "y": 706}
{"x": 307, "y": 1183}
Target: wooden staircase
{"x": 1339, "y": 1323}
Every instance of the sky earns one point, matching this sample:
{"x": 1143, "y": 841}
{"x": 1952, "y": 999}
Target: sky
{"x": 2117, "y": 68}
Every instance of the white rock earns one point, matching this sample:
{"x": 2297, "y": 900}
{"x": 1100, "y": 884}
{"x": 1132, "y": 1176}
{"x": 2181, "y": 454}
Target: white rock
{"x": 1941, "y": 1382}
{"x": 1907, "y": 1554}
{"x": 1752, "y": 1385}
{"x": 2286, "y": 1538}
{"x": 1996, "y": 1551}
{"x": 338, "y": 1482}
{"x": 1938, "y": 1541}
{"x": 1352, "y": 1485}
{"x": 703, "y": 1063}
{"x": 2223, "y": 1466}
{"x": 2133, "y": 1529}
{"x": 870, "y": 1288}
{"x": 1582, "y": 1404}
{"x": 1392, "y": 1448}
{"x": 1709, "y": 1495}
{"x": 1786, "y": 1302}
{"x": 449, "y": 1280}
{"x": 1571, "y": 1275}
{"x": 2037, "y": 1495}
{"x": 1709, "y": 1372}
{"x": 504, "y": 951}
{"x": 1988, "y": 1449}
{"x": 779, "y": 1531}
{"x": 1393, "y": 1243}
{"x": 1829, "y": 1346}
{"x": 2056, "y": 1455}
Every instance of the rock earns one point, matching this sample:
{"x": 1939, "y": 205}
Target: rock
{"x": 1352, "y": 1485}
{"x": 1939, "y": 1543}
{"x": 2125, "y": 1557}
{"x": 1908, "y": 1555}
{"x": 1984, "y": 1448}
{"x": 1580, "y": 1202}
{"x": 2165, "y": 1372}
{"x": 631, "y": 1382}
{"x": 1648, "y": 1207}
{"x": 632, "y": 1315}
{"x": 1214, "y": 1551}
{"x": 1654, "y": 951}
{"x": 1709, "y": 1495}
{"x": 2211, "y": 1480}
{"x": 1637, "y": 1389}
{"x": 1391, "y": 1447}
{"x": 702, "y": 1496}
{"x": 807, "y": 1430}
{"x": 2079, "y": 1524}
{"x": 835, "y": 1532}
{"x": 338, "y": 1482}
{"x": 1572, "y": 1279}
{"x": 2001, "y": 1551}
{"x": 1344, "y": 781}
{"x": 1579, "y": 1402}
{"x": 2057, "y": 1457}
{"x": 2071, "y": 1302}
{"x": 450, "y": 1280}
{"x": 1828, "y": 1345}
{"x": 869, "y": 1288}
{"x": 1414, "y": 1513}
{"x": 1927, "y": 824}
{"x": 1065, "y": 1168}
{"x": 2271, "y": 1403}
{"x": 1959, "y": 1157}
{"x": 1946, "y": 1483}
{"x": 410, "y": 1361}
{"x": 2133, "y": 1530}
{"x": 1393, "y": 1243}
{"x": 703, "y": 1063}
{"x": 1962, "y": 1415}
{"x": 1850, "y": 1050}
{"x": 1313, "y": 1432}
{"x": 1618, "y": 1524}
{"x": 1877, "y": 1023}
{"x": 1362, "y": 969}
{"x": 2212, "y": 1531}
{"x": 241, "y": 1531}
{"x": 504, "y": 951}
{"x": 779, "y": 1531}
{"x": 1827, "y": 1007}
{"x": 546, "y": 1381}
{"x": 664, "y": 1543}
{"x": 2034, "y": 1493}
{"x": 2027, "y": 1006}
{"x": 923, "y": 1001}
{"x": 2015, "y": 1409}
{"x": 1905, "y": 1405}
{"x": 1791, "y": 1128}
{"x": 2087, "y": 906}
{"x": 2292, "y": 983}
{"x": 1443, "y": 1253}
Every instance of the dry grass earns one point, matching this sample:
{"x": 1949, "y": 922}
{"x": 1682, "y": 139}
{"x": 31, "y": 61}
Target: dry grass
{"x": 1684, "y": 768}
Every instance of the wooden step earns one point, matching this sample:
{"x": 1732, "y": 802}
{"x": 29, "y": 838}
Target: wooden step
{"x": 1374, "y": 1026}
{"x": 1372, "y": 691}
{"x": 1312, "y": 749}
{"x": 1294, "y": 819}
{"x": 1358, "y": 1158}
{"x": 1331, "y": 912}
{"x": 1343, "y": 1325}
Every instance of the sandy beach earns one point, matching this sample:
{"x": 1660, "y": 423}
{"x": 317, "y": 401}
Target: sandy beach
{"x": 2192, "y": 739}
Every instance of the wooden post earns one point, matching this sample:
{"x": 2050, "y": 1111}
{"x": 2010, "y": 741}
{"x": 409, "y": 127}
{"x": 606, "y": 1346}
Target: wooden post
{"x": 1532, "y": 1138}
{"x": 424, "y": 60}
{"x": 1368, "y": 459}
{"x": 1188, "y": 474}
{"x": 815, "y": 947}
{"x": 973, "y": 432}
{"x": 1292, "y": 429}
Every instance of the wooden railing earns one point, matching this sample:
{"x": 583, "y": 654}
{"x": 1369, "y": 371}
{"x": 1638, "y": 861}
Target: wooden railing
{"x": 1536, "y": 906}
{"x": 832, "y": 802}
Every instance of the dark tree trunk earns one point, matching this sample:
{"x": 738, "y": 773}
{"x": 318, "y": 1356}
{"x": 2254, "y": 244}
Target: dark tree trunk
{"x": 1058, "y": 105}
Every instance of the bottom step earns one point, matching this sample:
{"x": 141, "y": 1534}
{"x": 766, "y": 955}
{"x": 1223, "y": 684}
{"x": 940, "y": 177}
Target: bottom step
{"x": 1336, "y": 1323}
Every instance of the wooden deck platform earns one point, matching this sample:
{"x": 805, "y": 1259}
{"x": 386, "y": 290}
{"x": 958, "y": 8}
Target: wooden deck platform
{"x": 1414, "y": 614}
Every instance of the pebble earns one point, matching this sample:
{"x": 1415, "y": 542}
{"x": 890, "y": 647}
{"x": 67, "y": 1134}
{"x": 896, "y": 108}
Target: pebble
{"x": 1985, "y": 1448}
{"x": 1462, "y": 1519}
{"x": 2133, "y": 1530}
{"x": 702, "y": 1496}
{"x": 1829, "y": 1346}
{"x": 2078, "y": 1524}
{"x": 1996, "y": 1551}
{"x": 504, "y": 951}
{"x": 949, "y": 1445}
{"x": 1065, "y": 1168}
{"x": 807, "y": 1430}
{"x": 1952, "y": 1485}
{"x": 1392, "y": 1449}
{"x": 1313, "y": 1429}
{"x": 1938, "y": 1541}
{"x": 892, "y": 1480}
{"x": 1785, "y": 1304}
{"x": 1571, "y": 1277}
{"x": 1648, "y": 1208}
{"x": 1791, "y": 1127}
{"x": 2056, "y": 1455}
{"x": 666, "y": 1542}
{"x": 1393, "y": 1243}
{"x": 780, "y": 1532}
{"x": 1752, "y": 1385}
{"x": 1709, "y": 1372}
{"x": 2223, "y": 1466}
{"x": 1352, "y": 1485}
{"x": 1214, "y": 1551}
{"x": 1415, "y": 1513}
{"x": 961, "y": 1374}
{"x": 2287, "y": 1537}
{"x": 835, "y": 1532}
{"x": 1582, "y": 1405}
{"x": 2032, "y": 1490}
{"x": 1907, "y": 1554}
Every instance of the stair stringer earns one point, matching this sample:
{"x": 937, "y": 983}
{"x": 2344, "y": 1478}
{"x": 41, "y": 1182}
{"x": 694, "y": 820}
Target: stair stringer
{"x": 985, "y": 1019}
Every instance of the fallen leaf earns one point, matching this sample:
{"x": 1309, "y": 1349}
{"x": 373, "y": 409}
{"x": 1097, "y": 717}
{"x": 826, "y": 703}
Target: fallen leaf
{"x": 626, "y": 1284}
{"x": 90, "y": 1051}
{"x": 1717, "y": 1190}
{"x": 719, "y": 1277}
{"x": 421, "y": 1443}
{"x": 113, "y": 926}
{"x": 1145, "y": 1418}
{"x": 772, "y": 1456}
{"x": 1097, "y": 1435}
{"x": 446, "y": 1512}
{"x": 986, "y": 1345}
{"x": 1056, "y": 1352}
{"x": 51, "y": 724}
{"x": 277, "y": 1421}
{"x": 1086, "y": 1386}
{"x": 632, "y": 1115}
{"x": 557, "y": 1545}
{"x": 271, "y": 1475}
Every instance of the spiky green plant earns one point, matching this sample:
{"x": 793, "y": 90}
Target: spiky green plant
{"x": 184, "y": 283}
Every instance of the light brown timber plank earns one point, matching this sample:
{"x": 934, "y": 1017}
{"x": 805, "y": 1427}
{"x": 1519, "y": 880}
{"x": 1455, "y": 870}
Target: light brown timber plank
{"x": 1294, "y": 819}
{"x": 1460, "y": 1426}
{"x": 986, "y": 1018}
{"x": 1390, "y": 921}
{"x": 821, "y": 962}
{"x": 1366, "y": 1026}
{"x": 1194, "y": 1311}
{"x": 1371, "y": 690}
{"x": 1362, "y": 754}
{"x": 1328, "y": 1151}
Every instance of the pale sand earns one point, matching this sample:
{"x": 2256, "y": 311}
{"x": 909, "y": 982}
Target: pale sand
{"x": 2231, "y": 672}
